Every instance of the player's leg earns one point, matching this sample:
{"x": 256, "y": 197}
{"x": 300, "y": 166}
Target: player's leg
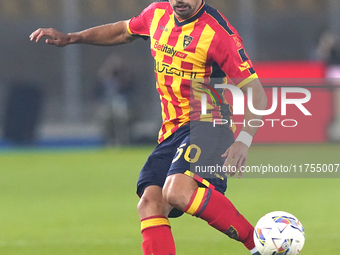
{"x": 155, "y": 226}
{"x": 210, "y": 205}
{"x": 204, "y": 147}
{"x": 178, "y": 190}
{"x": 152, "y": 208}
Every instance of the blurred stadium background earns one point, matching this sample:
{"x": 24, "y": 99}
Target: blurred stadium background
{"x": 67, "y": 79}
{"x": 81, "y": 200}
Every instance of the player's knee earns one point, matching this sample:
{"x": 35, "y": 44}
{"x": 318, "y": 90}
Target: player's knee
{"x": 149, "y": 206}
{"x": 175, "y": 197}
{"x": 178, "y": 190}
{"x": 144, "y": 203}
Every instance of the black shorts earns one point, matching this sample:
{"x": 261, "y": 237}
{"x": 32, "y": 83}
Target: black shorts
{"x": 194, "y": 149}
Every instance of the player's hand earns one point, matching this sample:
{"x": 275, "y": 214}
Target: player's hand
{"x": 237, "y": 153}
{"x": 54, "y": 36}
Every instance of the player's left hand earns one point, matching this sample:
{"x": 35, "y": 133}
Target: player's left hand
{"x": 237, "y": 153}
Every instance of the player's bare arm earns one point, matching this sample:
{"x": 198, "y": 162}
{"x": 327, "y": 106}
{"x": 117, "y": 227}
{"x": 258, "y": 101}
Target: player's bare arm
{"x": 106, "y": 35}
{"x": 238, "y": 151}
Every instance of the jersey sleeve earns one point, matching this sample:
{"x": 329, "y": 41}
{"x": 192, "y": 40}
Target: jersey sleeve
{"x": 232, "y": 58}
{"x": 140, "y": 25}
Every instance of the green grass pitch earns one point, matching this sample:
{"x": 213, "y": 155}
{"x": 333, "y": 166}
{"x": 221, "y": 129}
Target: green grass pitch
{"x": 66, "y": 202}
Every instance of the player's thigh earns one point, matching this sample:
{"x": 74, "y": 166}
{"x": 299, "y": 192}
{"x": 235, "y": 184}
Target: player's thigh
{"x": 156, "y": 168}
{"x": 199, "y": 155}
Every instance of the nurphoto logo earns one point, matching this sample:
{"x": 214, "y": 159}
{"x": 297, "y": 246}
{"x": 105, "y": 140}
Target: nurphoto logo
{"x": 239, "y": 109}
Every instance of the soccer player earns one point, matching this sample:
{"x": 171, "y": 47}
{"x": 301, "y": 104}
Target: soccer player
{"x": 192, "y": 43}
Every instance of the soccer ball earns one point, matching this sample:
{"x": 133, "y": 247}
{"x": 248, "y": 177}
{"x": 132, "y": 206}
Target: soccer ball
{"x": 279, "y": 233}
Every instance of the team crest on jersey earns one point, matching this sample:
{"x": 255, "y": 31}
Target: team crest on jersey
{"x": 187, "y": 41}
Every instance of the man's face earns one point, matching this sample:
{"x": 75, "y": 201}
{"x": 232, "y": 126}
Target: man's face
{"x": 185, "y": 8}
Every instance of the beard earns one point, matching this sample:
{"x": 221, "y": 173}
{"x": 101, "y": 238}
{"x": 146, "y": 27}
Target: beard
{"x": 183, "y": 10}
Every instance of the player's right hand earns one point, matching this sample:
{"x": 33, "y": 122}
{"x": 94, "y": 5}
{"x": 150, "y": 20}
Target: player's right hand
{"x": 54, "y": 36}
{"x": 236, "y": 156}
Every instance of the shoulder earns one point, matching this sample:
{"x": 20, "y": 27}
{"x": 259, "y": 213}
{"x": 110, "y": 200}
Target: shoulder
{"x": 218, "y": 22}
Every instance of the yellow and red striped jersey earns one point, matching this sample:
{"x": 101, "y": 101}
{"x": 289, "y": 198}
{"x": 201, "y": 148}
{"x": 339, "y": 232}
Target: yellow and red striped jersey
{"x": 200, "y": 48}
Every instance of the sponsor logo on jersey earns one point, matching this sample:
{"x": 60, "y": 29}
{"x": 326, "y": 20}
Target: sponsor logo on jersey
{"x": 244, "y": 66}
{"x": 170, "y": 70}
{"x": 187, "y": 41}
{"x": 163, "y": 28}
{"x": 237, "y": 41}
{"x": 210, "y": 94}
{"x": 170, "y": 50}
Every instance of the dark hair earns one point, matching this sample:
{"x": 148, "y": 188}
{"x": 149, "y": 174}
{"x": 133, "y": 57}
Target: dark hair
{"x": 163, "y": 1}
